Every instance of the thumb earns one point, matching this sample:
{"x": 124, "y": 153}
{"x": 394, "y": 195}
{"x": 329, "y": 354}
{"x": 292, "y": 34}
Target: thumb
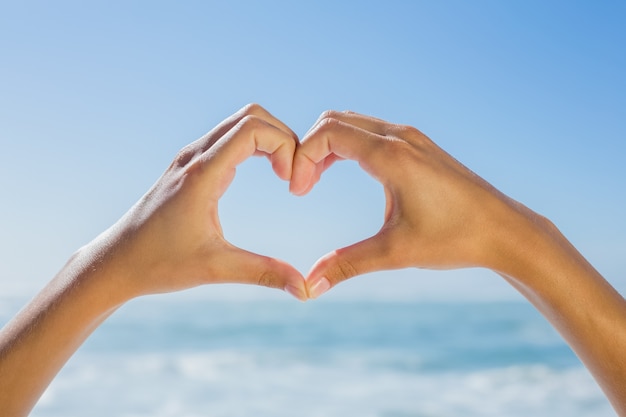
{"x": 255, "y": 269}
{"x": 369, "y": 255}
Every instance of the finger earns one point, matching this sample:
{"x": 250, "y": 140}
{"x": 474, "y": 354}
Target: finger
{"x": 249, "y": 137}
{"x": 240, "y": 266}
{"x": 369, "y": 123}
{"x": 319, "y": 170}
{"x": 321, "y": 167}
{"x": 259, "y": 111}
{"x": 209, "y": 139}
{"x": 370, "y": 255}
{"x": 248, "y": 110}
{"x": 333, "y": 138}
{"x": 267, "y": 139}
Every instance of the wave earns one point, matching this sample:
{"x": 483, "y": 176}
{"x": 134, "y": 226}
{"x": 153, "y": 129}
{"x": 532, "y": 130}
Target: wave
{"x": 282, "y": 383}
{"x": 384, "y": 359}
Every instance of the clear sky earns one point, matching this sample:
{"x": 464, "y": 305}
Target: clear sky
{"x": 97, "y": 97}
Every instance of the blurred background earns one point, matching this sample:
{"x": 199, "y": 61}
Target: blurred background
{"x": 96, "y": 98}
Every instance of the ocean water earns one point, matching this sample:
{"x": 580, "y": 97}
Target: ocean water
{"x": 188, "y": 357}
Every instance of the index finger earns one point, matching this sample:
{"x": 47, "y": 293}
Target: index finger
{"x": 332, "y": 138}
{"x": 251, "y": 109}
{"x": 209, "y": 139}
{"x": 250, "y": 136}
{"x": 369, "y": 123}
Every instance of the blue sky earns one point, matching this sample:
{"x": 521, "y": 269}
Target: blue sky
{"x": 95, "y": 100}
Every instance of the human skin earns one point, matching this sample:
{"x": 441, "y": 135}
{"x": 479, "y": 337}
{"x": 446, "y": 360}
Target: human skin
{"x": 440, "y": 215}
{"x": 170, "y": 240}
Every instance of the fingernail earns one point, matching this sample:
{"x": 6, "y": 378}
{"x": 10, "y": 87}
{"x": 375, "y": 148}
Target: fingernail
{"x": 295, "y": 291}
{"x": 320, "y": 287}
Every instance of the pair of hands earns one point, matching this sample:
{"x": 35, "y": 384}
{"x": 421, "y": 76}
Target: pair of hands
{"x": 434, "y": 216}
{"x": 438, "y": 215}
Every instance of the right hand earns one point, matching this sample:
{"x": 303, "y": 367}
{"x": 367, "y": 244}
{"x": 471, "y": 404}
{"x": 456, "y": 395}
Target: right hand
{"x": 438, "y": 214}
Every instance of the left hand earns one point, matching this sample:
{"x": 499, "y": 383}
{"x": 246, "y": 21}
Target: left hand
{"x": 172, "y": 238}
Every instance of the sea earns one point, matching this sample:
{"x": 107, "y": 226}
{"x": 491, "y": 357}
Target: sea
{"x": 186, "y": 357}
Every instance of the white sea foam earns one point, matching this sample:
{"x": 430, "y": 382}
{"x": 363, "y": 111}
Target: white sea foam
{"x": 238, "y": 383}
{"x": 331, "y": 360}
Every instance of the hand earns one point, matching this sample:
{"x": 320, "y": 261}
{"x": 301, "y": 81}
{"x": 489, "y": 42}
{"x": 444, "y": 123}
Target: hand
{"x": 438, "y": 213}
{"x": 172, "y": 238}
{"x": 441, "y": 215}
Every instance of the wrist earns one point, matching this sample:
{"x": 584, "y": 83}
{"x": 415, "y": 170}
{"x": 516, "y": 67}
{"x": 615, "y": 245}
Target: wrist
{"x": 101, "y": 268}
{"x": 518, "y": 240}
{"x": 530, "y": 252}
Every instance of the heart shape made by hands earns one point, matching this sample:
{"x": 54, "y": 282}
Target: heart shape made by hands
{"x": 259, "y": 214}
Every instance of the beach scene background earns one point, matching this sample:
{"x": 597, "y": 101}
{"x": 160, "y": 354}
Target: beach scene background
{"x": 172, "y": 357}
{"x": 96, "y": 99}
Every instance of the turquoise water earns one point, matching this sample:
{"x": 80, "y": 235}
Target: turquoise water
{"x": 163, "y": 357}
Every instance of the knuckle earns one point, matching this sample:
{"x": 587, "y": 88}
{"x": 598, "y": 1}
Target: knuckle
{"x": 345, "y": 270}
{"x": 411, "y": 133}
{"x": 249, "y": 121}
{"x": 328, "y": 123}
{"x": 268, "y": 279}
{"x": 405, "y": 129}
{"x": 329, "y": 114}
{"x": 183, "y": 157}
{"x": 249, "y": 118}
{"x": 252, "y": 108}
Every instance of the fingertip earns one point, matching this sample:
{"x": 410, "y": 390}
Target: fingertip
{"x": 293, "y": 189}
{"x": 292, "y": 281}
{"x": 299, "y": 189}
{"x": 301, "y": 175}
{"x": 320, "y": 278}
{"x": 298, "y": 292}
{"x": 318, "y": 286}
{"x": 281, "y": 166}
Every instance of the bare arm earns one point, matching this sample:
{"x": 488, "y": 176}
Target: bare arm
{"x": 170, "y": 240}
{"x": 440, "y": 215}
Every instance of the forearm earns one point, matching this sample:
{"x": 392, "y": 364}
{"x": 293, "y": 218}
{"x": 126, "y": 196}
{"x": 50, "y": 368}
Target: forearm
{"x": 543, "y": 265}
{"x": 36, "y": 344}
